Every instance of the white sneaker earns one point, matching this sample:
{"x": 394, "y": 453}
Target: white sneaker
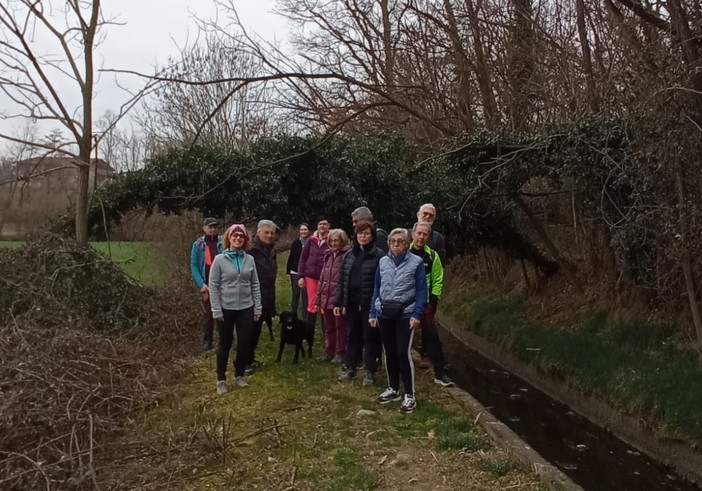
{"x": 388, "y": 395}
{"x": 408, "y": 404}
{"x": 221, "y": 387}
{"x": 241, "y": 382}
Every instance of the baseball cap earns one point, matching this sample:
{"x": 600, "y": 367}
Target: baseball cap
{"x": 209, "y": 221}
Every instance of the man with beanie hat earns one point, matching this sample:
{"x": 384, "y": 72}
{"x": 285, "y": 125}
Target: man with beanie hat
{"x": 202, "y": 254}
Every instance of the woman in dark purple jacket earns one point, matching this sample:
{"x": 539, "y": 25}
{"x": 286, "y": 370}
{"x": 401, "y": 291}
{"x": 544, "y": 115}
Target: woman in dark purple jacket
{"x": 334, "y": 326}
{"x": 310, "y": 265}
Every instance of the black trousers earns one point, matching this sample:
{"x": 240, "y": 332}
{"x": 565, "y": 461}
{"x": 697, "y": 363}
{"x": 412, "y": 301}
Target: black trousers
{"x": 397, "y": 343}
{"x": 267, "y": 317}
{"x": 242, "y": 321}
{"x": 431, "y": 343}
{"x": 363, "y": 341}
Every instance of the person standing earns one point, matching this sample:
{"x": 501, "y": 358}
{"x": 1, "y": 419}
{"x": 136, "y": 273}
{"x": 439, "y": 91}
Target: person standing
{"x": 381, "y": 236}
{"x": 435, "y": 286}
{"x": 310, "y": 265}
{"x": 353, "y": 300}
{"x": 334, "y": 326}
{"x": 202, "y": 255}
{"x": 291, "y": 268}
{"x": 437, "y": 242}
{"x": 399, "y": 298}
{"x": 236, "y": 303}
{"x": 264, "y": 254}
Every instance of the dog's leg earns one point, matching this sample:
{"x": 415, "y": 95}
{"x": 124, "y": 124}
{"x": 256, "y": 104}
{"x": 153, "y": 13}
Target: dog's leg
{"x": 280, "y": 349}
{"x": 297, "y": 353}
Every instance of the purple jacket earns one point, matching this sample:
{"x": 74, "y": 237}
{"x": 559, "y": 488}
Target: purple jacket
{"x": 329, "y": 278}
{"x": 312, "y": 258}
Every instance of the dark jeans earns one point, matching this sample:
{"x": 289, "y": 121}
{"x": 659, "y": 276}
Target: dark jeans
{"x": 363, "y": 342}
{"x": 431, "y": 344}
{"x": 207, "y": 320}
{"x": 242, "y": 321}
{"x": 297, "y": 294}
{"x": 267, "y": 317}
{"x": 397, "y": 343}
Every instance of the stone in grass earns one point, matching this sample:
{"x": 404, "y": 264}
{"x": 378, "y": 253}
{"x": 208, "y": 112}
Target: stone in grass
{"x": 362, "y": 413}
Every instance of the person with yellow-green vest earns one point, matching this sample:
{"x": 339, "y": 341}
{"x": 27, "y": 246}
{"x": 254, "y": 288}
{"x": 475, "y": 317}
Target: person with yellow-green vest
{"x": 421, "y": 232}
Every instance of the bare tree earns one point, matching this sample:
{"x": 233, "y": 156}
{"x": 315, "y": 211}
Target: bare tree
{"x": 47, "y": 72}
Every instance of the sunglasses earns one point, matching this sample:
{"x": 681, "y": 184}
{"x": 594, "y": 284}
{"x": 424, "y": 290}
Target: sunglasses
{"x": 398, "y": 241}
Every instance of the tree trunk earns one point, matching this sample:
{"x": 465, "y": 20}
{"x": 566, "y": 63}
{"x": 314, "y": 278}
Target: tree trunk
{"x": 482, "y": 70}
{"x": 568, "y": 268}
{"x": 592, "y": 96}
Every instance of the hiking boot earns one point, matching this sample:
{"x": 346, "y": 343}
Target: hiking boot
{"x": 221, "y": 387}
{"x": 249, "y": 370}
{"x": 408, "y": 404}
{"x": 348, "y": 376}
{"x": 388, "y": 395}
{"x": 337, "y": 360}
{"x": 241, "y": 382}
{"x": 368, "y": 379}
{"x": 443, "y": 380}
{"x": 256, "y": 365}
{"x": 424, "y": 363}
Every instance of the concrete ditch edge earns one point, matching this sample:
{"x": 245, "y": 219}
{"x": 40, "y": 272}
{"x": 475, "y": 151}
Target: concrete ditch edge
{"x": 678, "y": 455}
{"x": 549, "y": 474}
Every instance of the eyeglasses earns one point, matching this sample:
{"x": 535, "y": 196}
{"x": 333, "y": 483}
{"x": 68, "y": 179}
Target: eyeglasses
{"x": 397, "y": 242}
{"x": 365, "y": 233}
{"x": 238, "y": 236}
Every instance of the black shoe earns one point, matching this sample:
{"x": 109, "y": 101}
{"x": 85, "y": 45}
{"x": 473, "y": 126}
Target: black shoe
{"x": 249, "y": 370}
{"x": 348, "y": 376}
{"x": 443, "y": 380}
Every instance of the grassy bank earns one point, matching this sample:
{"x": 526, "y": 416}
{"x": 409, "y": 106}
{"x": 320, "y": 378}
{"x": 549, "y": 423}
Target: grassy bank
{"x": 141, "y": 261}
{"x": 637, "y": 368}
{"x": 297, "y": 427}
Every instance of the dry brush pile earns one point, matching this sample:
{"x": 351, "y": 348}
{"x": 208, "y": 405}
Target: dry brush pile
{"x": 81, "y": 347}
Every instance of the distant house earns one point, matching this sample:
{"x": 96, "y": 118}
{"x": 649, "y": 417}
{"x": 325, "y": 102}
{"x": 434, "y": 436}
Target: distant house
{"x": 60, "y": 174}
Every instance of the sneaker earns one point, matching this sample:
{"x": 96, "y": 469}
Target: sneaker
{"x": 221, "y": 387}
{"x": 256, "y": 365}
{"x": 443, "y": 380}
{"x": 249, "y": 370}
{"x": 408, "y": 404}
{"x": 368, "y": 379}
{"x": 424, "y": 363}
{"x": 388, "y": 395}
{"x": 337, "y": 360}
{"x": 348, "y": 376}
{"x": 325, "y": 358}
{"x": 241, "y": 382}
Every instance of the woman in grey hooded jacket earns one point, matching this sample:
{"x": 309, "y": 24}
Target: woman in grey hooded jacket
{"x": 235, "y": 293}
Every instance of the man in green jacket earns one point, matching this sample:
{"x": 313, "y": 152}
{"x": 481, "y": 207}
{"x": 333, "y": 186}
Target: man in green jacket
{"x": 421, "y": 232}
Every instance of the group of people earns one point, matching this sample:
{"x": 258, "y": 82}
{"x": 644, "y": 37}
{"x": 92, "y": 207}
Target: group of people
{"x": 372, "y": 292}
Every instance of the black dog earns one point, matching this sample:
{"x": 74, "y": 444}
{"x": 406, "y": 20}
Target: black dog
{"x": 295, "y": 331}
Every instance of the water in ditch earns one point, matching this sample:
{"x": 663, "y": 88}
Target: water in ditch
{"x": 594, "y": 458}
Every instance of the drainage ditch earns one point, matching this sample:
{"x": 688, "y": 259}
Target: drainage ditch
{"x": 592, "y": 457}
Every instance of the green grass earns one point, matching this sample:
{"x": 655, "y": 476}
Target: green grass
{"x": 10, "y": 243}
{"x": 636, "y": 367}
{"x": 139, "y": 260}
{"x": 499, "y": 467}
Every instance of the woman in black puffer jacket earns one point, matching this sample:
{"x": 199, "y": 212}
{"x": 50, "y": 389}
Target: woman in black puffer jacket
{"x": 352, "y": 299}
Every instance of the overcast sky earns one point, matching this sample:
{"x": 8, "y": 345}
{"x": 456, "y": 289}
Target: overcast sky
{"x": 152, "y": 31}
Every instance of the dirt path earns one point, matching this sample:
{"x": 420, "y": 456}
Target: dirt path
{"x": 296, "y": 427}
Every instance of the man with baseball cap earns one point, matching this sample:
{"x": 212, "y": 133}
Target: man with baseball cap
{"x": 202, "y": 254}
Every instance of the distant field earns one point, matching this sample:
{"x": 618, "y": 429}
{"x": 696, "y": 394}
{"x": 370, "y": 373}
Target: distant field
{"x": 140, "y": 260}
